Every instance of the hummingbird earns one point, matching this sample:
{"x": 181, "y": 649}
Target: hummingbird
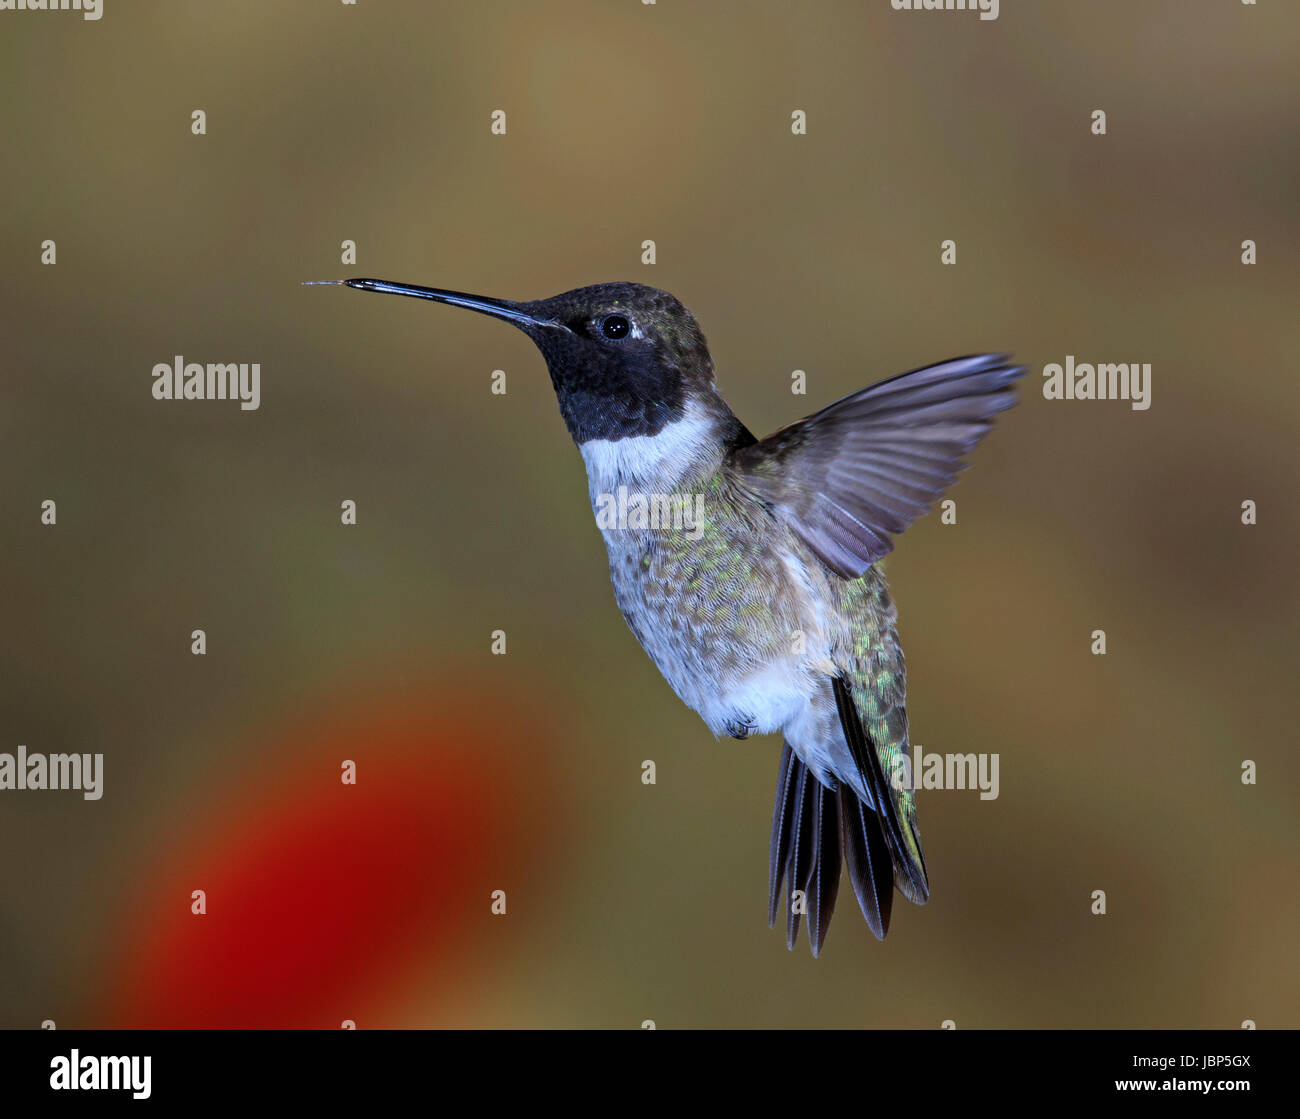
{"x": 766, "y": 609}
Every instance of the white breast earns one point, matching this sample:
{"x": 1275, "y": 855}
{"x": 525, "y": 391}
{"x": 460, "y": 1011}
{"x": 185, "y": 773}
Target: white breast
{"x": 649, "y": 463}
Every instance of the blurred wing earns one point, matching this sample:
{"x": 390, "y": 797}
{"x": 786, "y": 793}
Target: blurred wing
{"x": 864, "y": 468}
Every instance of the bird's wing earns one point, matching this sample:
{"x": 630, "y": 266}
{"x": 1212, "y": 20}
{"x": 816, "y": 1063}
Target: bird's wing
{"x": 858, "y": 472}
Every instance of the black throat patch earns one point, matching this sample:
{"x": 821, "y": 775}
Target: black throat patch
{"x": 612, "y": 396}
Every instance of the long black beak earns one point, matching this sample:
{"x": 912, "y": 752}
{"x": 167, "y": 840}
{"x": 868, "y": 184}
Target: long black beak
{"x": 497, "y": 308}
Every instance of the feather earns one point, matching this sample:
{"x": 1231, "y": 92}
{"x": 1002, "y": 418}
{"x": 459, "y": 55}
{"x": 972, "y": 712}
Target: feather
{"x": 800, "y": 864}
{"x": 781, "y": 815}
{"x": 871, "y": 870}
{"x": 825, "y": 881}
{"x": 850, "y": 477}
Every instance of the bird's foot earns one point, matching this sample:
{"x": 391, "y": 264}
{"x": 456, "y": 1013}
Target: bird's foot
{"x": 741, "y": 727}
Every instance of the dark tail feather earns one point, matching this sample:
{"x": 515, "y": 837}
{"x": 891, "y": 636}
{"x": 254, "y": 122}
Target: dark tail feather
{"x": 815, "y": 829}
{"x": 782, "y": 813}
{"x": 802, "y": 848}
{"x": 795, "y": 854}
{"x": 825, "y": 883}
{"x": 871, "y": 869}
{"x": 866, "y": 760}
{"x": 913, "y": 878}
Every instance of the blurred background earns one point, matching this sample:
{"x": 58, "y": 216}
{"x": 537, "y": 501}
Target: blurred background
{"x": 629, "y": 122}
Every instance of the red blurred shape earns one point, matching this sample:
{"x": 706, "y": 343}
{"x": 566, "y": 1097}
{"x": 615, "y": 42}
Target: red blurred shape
{"x": 324, "y": 900}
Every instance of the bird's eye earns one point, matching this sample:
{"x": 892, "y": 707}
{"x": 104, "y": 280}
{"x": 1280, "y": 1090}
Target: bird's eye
{"x": 615, "y": 326}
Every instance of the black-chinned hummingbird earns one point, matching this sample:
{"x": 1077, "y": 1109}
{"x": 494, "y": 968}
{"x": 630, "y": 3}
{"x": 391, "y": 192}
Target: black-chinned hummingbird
{"x": 765, "y": 609}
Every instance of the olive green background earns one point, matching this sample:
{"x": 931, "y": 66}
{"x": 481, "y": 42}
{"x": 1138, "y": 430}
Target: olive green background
{"x": 669, "y": 122}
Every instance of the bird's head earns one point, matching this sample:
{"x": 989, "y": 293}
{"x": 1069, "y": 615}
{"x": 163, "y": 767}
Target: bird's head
{"x": 625, "y": 359}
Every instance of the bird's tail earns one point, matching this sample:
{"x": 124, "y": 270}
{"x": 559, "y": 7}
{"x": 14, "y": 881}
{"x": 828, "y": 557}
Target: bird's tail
{"x": 805, "y": 851}
{"x": 816, "y": 830}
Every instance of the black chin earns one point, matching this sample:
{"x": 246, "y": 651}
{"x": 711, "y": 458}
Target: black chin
{"x": 611, "y": 392}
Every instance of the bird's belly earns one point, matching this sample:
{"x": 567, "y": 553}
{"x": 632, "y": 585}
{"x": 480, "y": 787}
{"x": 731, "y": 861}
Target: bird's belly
{"x": 724, "y": 624}
{"x": 764, "y": 702}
